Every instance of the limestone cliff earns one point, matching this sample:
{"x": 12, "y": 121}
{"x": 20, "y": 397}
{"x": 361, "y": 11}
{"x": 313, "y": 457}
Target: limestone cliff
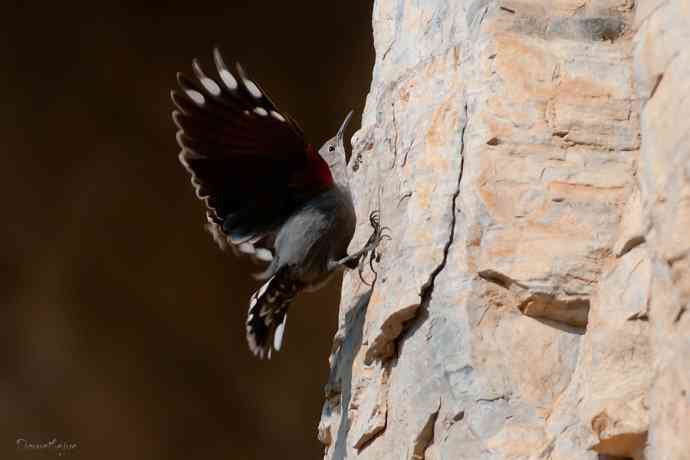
{"x": 533, "y": 162}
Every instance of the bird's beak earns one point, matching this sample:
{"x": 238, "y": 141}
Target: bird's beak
{"x": 341, "y": 131}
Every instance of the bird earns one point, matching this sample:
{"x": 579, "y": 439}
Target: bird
{"x": 267, "y": 192}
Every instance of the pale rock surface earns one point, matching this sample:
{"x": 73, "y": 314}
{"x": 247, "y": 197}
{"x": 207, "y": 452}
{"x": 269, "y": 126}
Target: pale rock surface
{"x": 662, "y": 69}
{"x": 531, "y": 303}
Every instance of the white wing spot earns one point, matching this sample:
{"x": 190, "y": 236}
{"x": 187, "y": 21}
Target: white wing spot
{"x": 277, "y": 116}
{"x": 252, "y": 88}
{"x": 211, "y": 86}
{"x": 260, "y": 111}
{"x": 228, "y": 79}
{"x": 246, "y": 112}
{"x": 263, "y": 254}
{"x": 246, "y": 247}
{"x": 196, "y": 96}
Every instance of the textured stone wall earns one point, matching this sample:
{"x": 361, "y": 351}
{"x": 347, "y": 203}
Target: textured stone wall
{"x": 662, "y": 73}
{"x": 532, "y": 161}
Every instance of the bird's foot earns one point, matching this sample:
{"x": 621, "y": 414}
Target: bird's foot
{"x": 357, "y": 259}
{"x": 371, "y": 247}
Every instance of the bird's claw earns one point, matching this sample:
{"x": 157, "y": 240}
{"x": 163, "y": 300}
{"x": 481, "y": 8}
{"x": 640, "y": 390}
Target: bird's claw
{"x": 378, "y": 235}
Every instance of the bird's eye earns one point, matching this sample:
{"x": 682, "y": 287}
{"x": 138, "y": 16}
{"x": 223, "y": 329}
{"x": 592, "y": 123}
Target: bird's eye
{"x": 331, "y": 148}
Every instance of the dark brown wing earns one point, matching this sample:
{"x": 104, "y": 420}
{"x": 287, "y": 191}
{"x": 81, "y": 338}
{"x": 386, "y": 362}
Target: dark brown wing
{"x": 249, "y": 162}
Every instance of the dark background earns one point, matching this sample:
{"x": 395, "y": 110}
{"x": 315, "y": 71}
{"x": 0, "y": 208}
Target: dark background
{"x": 122, "y": 325}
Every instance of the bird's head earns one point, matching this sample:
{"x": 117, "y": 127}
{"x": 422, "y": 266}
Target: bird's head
{"x": 333, "y": 152}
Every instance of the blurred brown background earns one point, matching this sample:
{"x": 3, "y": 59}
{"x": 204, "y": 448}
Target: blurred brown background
{"x": 122, "y": 324}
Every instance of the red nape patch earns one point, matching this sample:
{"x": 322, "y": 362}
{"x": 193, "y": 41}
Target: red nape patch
{"x": 317, "y": 170}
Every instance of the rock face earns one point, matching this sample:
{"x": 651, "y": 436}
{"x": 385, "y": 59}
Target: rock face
{"x": 662, "y": 66}
{"x": 532, "y": 160}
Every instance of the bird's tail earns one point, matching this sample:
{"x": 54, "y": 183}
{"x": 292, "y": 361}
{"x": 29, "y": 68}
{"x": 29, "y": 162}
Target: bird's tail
{"x": 267, "y": 314}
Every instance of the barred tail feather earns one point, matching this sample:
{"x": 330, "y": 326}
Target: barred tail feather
{"x": 278, "y": 336}
{"x": 267, "y": 315}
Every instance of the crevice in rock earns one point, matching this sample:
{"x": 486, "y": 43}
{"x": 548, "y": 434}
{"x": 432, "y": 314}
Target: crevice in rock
{"x": 659, "y": 78}
{"x": 631, "y": 244}
{"x": 369, "y": 437}
{"x": 420, "y": 316}
{"x": 395, "y": 139}
{"x": 387, "y": 344}
{"x": 626, "y": 445}
{"x": 376, "y": 415}
{"x": 502, "y": 280}
{"x": 679, "y": 315}
{"x": 652, "y": 92}
{"x": 426, "y": 436}
{"x": 494, "y": 399}
{"x": 428, "y": 287}
{"x": 677, "y": 258}
{"x": 407, "y": 152}
{"x": 639, "y": 316}
{"x": 572, "y": 311}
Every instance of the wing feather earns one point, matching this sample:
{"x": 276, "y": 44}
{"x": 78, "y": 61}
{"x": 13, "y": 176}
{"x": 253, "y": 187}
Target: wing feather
{"x": 248, "y": 161}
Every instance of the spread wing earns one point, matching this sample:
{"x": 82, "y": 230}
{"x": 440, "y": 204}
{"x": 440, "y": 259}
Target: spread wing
{"x": 248, "y": 161}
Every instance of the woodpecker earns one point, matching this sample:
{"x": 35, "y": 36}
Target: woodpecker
{"x": 267, "y": 192}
